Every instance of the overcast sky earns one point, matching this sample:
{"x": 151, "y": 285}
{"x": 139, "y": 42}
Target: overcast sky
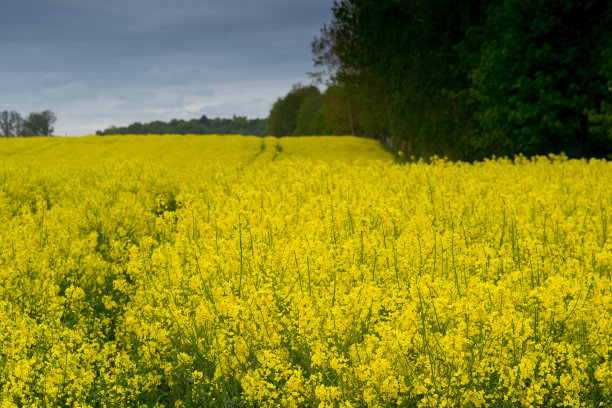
{"x": 97, "y": 63}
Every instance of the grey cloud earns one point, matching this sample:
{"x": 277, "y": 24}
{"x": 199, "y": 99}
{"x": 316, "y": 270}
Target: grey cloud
{"x": 108, "y": 62}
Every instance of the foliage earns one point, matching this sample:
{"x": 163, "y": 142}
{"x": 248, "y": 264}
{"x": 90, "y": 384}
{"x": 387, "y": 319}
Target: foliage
{"x": 539, "y": 74}
{"x": 237, "y": 125}
{"x": 305, "y": 123}
{"x": 36, "y": 124}
{"x": 396, "y": 59}
{"x": 283, "y": 119}
{"x": 600, "y": 118}
{"x": 39, "y": 124}
{"x": 328, "y": 113}
{"x": 471, "y": 79}
{"x": 235, "y": 271}
{"x": 11, "y": 124}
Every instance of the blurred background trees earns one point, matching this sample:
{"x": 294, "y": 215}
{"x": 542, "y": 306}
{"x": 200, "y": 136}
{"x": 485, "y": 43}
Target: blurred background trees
{"x": 283, "y": 119}
{"x": 12, "y": 124}
{"x": 237, "y": 125}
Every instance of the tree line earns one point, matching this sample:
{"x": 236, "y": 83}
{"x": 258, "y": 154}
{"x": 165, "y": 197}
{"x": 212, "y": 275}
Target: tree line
{"x": 463, "y": 79}
{"x": 12, "y": 124}
{"x": 460, "y": 78}
{"x": 201, "y": 126}
{"x": 305, "y": 110}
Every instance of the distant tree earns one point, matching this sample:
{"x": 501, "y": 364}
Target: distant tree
{"x": 136, "y": 128}
{"x": 283, "y": 116}
{"x": 5, "y": 124}
{"x": 39, "y": 124}
{"x": 310, "y": 106}
{"x": 11, "y": 124}
{"x": 239, "y": 122}
{"x": 202, "y": 126}
{"x": 17, "y": 123}
{"x": 334, "y": 117}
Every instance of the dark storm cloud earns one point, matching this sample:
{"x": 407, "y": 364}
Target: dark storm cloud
{"x": 98, "y": 63}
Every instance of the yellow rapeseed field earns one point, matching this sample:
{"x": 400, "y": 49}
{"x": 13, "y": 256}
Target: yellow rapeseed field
{"x": 230, "y": 271}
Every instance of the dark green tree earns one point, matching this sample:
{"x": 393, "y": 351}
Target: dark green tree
{"x": 310, "y": 106}
{"x": 204, "y": 120}
{"x": 600, "y": 119}
{"x": 397, "y": 58}
{"x": 284, "y": 114}
{"x": 538, "y": 73}
{"x": 468, "y": 79}
{"x": 202, "y": 126}
{"x": 39, "y": 124}
{"x": 11, "y": 124}
{"x": 6, "y": 127}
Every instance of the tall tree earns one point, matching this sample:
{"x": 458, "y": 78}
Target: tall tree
{"x": 397, "y": 58}
{"x": 5, "y": 124}
{"x": 468, "y": 78}
{"x": 284, "y": 114}
{"x": 600, "y": 118}
{"x": 39, "y": 124}
{"x": 305, "y": 123}
{"x": 11, "y": 123}
{"x": 538, "y": 73}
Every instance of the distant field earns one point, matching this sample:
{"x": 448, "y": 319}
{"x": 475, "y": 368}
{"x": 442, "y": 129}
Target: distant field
{"x": 231, "y": 271}
{"x": 179, "y": 151}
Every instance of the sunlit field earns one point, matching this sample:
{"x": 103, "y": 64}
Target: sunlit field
{"x": 231, "y": 271}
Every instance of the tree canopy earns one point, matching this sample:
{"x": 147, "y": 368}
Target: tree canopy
{"x": 202, "y": 126}
{"x": 12, "y": 124}
{"x": 283, "y": 119}
{"x": 468, "y": 79}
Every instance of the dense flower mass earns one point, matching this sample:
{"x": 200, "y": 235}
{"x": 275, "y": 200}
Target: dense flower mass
{"x": 236, "y": 271}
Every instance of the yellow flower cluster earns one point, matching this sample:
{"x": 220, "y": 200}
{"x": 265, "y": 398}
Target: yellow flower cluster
{"x": 230, "y": 271}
